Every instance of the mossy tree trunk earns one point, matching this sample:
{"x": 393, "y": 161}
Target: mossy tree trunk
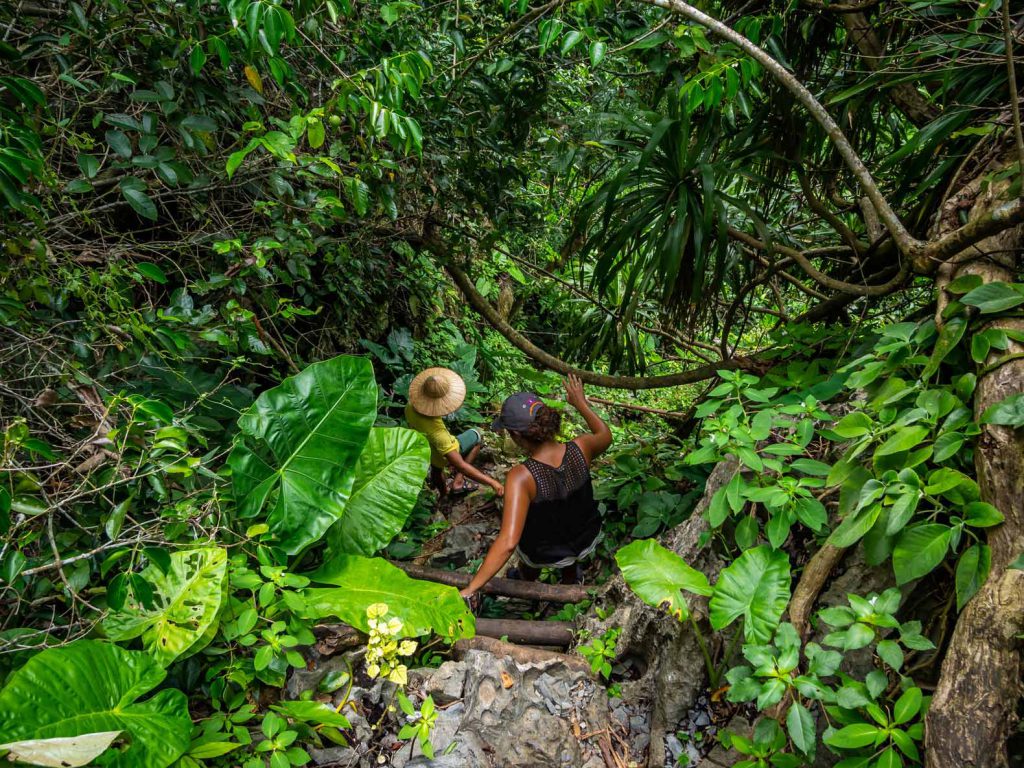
{"x": 973, "y": 711}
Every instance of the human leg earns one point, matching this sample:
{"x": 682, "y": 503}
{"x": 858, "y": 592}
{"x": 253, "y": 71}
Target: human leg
{"x": 469, "y": 447}
{"x": 437, "y": 480}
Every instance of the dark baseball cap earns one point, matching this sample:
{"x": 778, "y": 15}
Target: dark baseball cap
{"x": 517, "y": 412}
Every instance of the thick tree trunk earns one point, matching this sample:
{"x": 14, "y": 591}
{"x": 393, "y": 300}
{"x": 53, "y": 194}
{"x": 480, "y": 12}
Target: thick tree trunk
{"x": 973, "y": 710}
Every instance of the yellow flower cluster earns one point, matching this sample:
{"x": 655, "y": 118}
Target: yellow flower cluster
{"x": 383, "y": 649}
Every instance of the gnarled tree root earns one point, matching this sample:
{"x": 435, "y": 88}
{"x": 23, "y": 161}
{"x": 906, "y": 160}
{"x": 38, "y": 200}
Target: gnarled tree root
{"x": 813, "y": 578}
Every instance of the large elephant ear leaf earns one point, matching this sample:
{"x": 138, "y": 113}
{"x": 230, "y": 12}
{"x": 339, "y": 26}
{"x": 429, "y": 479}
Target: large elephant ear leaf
{"x": 187, "y": 599}
{"x": 359, "y": 582}
{"x": 89, "y": 688}
{"x": 65, "y": 752}
{"x": 389, "y": 475}
{"x": 756, "y": 587}
{"x": 298, "y": 447}
{"x": 658, "y": 576}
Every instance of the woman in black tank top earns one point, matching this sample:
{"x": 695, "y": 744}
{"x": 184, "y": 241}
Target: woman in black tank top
{"x": 550, "y": 518}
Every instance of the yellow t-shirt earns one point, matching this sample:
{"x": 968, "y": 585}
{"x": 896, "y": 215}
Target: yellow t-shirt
{"x": 437, "y": 434}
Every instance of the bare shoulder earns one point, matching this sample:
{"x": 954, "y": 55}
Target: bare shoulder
{"x": 585, "y": 443}
{"x": 520, "y": 480}
{"x": 518, "y": 474}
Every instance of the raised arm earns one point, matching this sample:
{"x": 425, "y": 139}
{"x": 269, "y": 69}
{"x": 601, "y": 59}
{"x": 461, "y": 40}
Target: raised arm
{"x": 600, "y": 437}
{"x": 513, "y": 518}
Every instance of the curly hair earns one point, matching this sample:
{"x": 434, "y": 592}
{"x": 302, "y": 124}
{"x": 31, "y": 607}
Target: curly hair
{"x": 546, "y": 425}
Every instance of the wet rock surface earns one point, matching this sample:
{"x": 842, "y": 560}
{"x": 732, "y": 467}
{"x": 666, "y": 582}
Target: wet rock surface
{"x": 492, "y": 712}
{"x": 516, "y": 715}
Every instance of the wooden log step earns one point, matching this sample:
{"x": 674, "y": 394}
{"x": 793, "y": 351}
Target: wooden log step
{"x": 518, "y": 653}
{"x": 557, "y": 633}
{"x": 525, "y": 590}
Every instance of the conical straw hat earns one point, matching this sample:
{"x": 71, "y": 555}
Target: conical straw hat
{"x": 437, "y": 392}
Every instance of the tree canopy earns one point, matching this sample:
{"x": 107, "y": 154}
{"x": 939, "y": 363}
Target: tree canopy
{"x": 724, "y": 208}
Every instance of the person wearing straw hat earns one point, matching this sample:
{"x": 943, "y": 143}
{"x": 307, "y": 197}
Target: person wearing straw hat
{"x": 438, "y": 392}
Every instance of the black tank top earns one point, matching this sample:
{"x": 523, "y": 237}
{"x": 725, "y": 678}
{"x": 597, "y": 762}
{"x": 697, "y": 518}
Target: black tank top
{"x": 562, "y": 519}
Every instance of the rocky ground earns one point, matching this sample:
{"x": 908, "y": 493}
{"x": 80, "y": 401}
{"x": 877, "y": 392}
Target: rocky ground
{"x": 496, "y": 711}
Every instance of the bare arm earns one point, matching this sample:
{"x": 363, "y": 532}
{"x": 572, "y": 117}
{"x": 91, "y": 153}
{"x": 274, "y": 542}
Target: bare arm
{"x": 517, "y": 502}
{"x": 600, "y": 437}
{"x": 456, "y": 461}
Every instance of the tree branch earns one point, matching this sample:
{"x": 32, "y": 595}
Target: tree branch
{"x": 1014, "y": 97}
{"x": 1000, "y": 218}
{"x": 904, "y": 95}
{"x": 907, "y": 243}
{"x": 527, "y": 347}
{"x": 820, "y": 277}
{"x": 818, "y": 207}
{"x": 842, "y": 7}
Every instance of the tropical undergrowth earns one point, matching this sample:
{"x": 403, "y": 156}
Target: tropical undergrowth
{"x": 213, "y": 598}
{"x": 866, "y": 450}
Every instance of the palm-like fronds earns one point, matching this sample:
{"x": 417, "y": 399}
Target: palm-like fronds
{"x": 660, "y": 219}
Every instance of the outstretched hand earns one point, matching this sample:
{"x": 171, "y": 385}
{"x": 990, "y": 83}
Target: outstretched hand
{"x": 574, "y": 391}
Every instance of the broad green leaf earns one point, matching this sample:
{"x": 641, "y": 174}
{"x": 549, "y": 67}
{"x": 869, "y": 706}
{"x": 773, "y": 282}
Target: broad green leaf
{"x": 91, "y": 687}
{"x": 981, "y": 514}
{"x": 951, "y": 334}
{"x": 196, "y": 60}
{"x": 297, "y": 452}
{"x": 358, "y": 194}
{"x": 919, "y": 550}
{"x": 571, "y": 40}
{"x": 907, "y": 706}
{"x": 964, "y": 284}
{"x": 854, "y": 526}
{"x": 389, "y": 475}
{"x": 905, "y": 439}
{"x": 313, "y": 712}
{"x": 853, "y": 736}
{"x": 658, "y": 575}
{"x": 152, "y": 271}
{"x": 118, "y": 142}
{"x": 1008, "y": 412}
{"x": 800, "y": 724}
{"x": 62, "y": 752}
{"x": 755, "y": 586}
{"x": 890, "y": 652}
{"x": 906, "y": 744}
{"x": 141, "y": 202}
{"x": 945, "y": 479}
{"x": 994, "y": 297}
{"x": 89, "y": 165}
{"x": 597, "y": 52}
{"x": 187, "y": 599}
{"x": 971, "y": 572}
{"x": 853, "y": 424}
{"x": 889, "y": 759}
{"x": 315, "y": 133}
{"x": 359, "y": 582}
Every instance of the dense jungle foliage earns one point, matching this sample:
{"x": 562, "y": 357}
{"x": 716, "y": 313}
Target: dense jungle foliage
{"x": 782, "y": 233}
